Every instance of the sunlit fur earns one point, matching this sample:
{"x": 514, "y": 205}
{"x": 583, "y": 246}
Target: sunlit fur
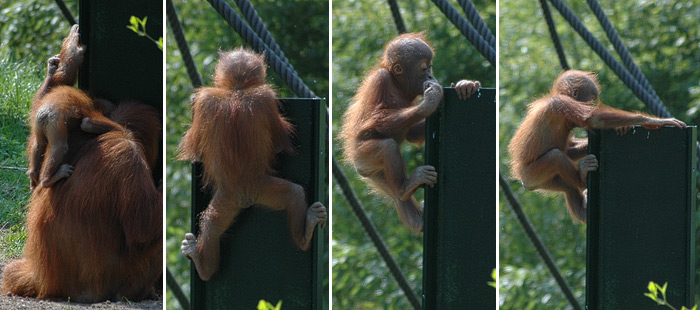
{"x": 97, "y": 235}
{"x": 383, "y": 111}
{"x": 543, "y": 151}
{"x": 236, "y": 132}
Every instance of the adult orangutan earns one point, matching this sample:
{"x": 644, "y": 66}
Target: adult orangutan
{"x": 97, "y": 235}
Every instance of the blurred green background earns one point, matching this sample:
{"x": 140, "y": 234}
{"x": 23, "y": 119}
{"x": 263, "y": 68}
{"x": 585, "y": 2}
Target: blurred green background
{"x": 663, "y": 37}
{"x": 361, "y": 280}
{"x": 300, "y": 27}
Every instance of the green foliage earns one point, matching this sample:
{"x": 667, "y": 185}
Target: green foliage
{"x": 30, "y": 32}
{"x": 33, "y": 29}
{"x": 264, "y": 305}
{"x": 300, "y": 27}
{"x": 138, "y": 26}
{"x": 360, "y": 29}
{"x": 653, "y": 294}
{"x": 12, "y": 242}
{"x": 663, "y": 38}
{"x": 18, "y": 80}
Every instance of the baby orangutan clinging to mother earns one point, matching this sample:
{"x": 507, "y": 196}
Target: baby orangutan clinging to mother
{"x": 58, "y": 108}
{"x": 236, "y": 131}
{"x": 543, "y": 149}
{"x": 386, "y": 111}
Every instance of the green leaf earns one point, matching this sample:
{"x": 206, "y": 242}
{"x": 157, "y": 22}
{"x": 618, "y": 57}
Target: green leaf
{"x": 663, "y": 290}
{"x": 650, "y": 295}
{"x": 264, "y": 305}
{"x": 493, "y": 276}
{"x": 652, "y": 287}
{"x": 133, "y": 20}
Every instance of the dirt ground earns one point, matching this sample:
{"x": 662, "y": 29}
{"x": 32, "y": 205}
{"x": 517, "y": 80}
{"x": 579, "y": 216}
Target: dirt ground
{"x": 15, "y": 302}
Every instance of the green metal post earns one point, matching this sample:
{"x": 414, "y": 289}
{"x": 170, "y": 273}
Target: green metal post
{"x": 258, "y": 258}
{"x": 460, "y": 211}
{"x": 641, "y": 217}
{"x": 119, "y": 64}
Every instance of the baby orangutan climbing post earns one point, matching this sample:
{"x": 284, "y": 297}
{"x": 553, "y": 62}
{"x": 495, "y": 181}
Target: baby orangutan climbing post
{"x": 236, "y": 131}
{"x": 386, "y": 111}
{"x": 543, "y": 151}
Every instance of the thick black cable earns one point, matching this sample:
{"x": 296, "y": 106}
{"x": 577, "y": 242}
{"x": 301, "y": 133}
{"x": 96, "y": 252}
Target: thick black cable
{"x": 179, "y": 34}
{"x": 553, "y": 33}
{"x": 373, "y": 234}
{"x": 537, "y": 242}
{"x": 474, "y": 18}
{"x": 625, "y": 55}
{"x": 177, "y": 291}
{"x": 398, "y": 20}
{"x": 196, "y": 80}
{"x": 66, "y": 12}
{"x": 620, "y": 48}
{"x": 283, "y": 70}
{"x": 257, "y": 24}
{"x": 654, "y": 105}
{"x": 467, "y": 30}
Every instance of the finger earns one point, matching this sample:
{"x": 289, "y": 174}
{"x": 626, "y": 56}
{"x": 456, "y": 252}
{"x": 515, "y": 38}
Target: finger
{"x": 462, "y": 92}
{"x": 473, "y": 88}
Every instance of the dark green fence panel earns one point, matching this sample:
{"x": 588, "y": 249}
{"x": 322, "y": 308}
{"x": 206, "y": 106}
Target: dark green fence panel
{"x": 641, "y": 217}
{"x": 119, "y": 64}
{"x": 460, "y": 211}
{"x": 258, "y": 258}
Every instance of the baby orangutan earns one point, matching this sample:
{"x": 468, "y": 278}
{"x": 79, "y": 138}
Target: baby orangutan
{"x": 386, "y": 111}
{"x": 543, "y": 150}
{"x": 236, "y": 131}
{"x": 59, "y": 107}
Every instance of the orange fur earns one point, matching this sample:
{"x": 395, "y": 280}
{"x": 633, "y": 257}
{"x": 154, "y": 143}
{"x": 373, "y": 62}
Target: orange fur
{"x": 97, "y": 235}
{"x": 57, "y": 109}
{"x": 236, "y": 131}
{"x": 543, "y": 152}
{"x": 385, "y": 112}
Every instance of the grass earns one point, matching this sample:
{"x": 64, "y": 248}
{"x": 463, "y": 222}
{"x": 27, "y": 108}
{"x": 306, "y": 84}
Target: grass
{"x": 18, "y": 82}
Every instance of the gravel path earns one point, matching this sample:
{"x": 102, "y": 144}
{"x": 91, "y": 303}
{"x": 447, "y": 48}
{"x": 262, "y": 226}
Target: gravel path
{"x": 14, "y": 302}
